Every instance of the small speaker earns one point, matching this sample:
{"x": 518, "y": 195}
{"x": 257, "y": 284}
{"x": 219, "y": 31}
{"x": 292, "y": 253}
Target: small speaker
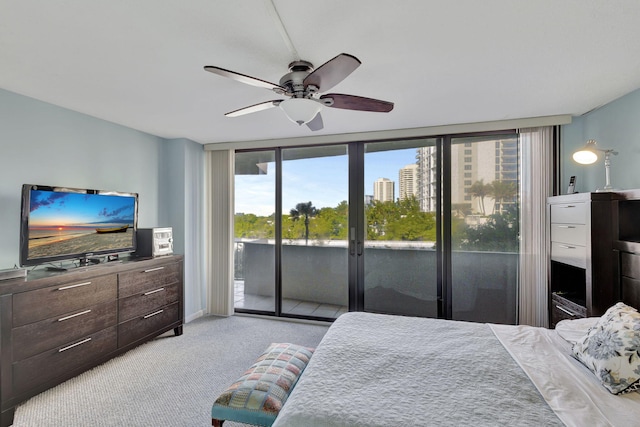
{"x": 153, "y": 242}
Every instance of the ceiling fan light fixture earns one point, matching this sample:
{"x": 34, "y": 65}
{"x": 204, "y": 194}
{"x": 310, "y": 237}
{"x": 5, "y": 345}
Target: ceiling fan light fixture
{"x": 300, "y": 110}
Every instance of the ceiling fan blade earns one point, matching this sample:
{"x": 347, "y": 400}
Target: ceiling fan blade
{"x": 242, "y": 78}
{"x": 254, "y": 108}
{"x": 316, "y": 123}
{"x": 332, "y": 72}
{"x": 352, "y": 102}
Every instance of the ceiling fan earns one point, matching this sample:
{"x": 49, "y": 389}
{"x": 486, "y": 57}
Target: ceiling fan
{"x": 303, "y": 85}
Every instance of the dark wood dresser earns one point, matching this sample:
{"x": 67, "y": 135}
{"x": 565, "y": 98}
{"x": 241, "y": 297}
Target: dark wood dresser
{"x": 581, "y": 273}
{"x": 54, "y": 326}
{"x": 595, "y": 253}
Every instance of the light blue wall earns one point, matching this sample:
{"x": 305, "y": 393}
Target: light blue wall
{"x": 44, "y": 144}
{"x": 181, "y": 201}
{"x": 615, "y": 125}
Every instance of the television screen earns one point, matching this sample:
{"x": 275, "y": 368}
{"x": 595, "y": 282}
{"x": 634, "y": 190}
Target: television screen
{"x": 65, "y": 223}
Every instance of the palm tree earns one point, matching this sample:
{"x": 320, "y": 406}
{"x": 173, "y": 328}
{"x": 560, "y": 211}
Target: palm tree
{"x": 480, "y": 190}
{"x": 308, "y": 211}
{"x": 501, "y": 191}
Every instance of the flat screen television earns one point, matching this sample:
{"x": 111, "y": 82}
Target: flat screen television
{"x": 59, "y": 223}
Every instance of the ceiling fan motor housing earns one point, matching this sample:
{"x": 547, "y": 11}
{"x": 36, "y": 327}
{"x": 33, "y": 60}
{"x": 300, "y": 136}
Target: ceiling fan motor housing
{"x": 294, "y": 80}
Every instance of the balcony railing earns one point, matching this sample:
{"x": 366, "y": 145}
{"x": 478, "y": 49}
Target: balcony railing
{"x": 484, "y": 283}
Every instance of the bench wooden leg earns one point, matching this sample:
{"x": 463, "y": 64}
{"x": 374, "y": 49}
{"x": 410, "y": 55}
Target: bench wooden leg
{"x": 216, "y": 423}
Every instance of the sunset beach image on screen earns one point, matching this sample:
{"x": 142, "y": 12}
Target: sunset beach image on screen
{"x": 65, "y": 223}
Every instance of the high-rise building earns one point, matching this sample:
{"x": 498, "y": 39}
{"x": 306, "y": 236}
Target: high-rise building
{"x": 471, "y": 162}
{"x": 383, "y": 190}
{"x": 408, "y": 181}
{"x": 427, "y": 178}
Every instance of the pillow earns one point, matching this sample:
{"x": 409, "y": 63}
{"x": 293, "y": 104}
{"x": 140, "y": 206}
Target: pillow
{"x": 611, "y": 349}
{"x": 258, "y": 395}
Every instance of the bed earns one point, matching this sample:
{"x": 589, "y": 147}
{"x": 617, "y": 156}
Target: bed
{"x": 381, "y": 370}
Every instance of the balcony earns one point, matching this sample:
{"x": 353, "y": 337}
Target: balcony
{"x": 484, "y": 283}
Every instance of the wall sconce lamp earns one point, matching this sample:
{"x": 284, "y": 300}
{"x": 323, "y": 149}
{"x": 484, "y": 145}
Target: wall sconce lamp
{"x": 589, "y": 154}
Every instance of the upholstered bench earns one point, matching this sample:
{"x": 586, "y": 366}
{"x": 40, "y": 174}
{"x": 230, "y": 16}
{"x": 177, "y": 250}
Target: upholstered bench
{"x": 258, "y": 395}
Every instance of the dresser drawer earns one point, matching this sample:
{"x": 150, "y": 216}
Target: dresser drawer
{"x": 140, "y": 281}
{"x": 34, "y": 338}
{"x": 569, "y": 254}
{"x": 143, "y": 326}
{"x": 63, "y": 360}
{"x": 147, "y": 302}
{"x": 569, "y": 213}
{"x": 574, "y": 234}
{"x": 55, "y": 301}
{"x": 630, "y": 265}
{"x": 562, "y": 308}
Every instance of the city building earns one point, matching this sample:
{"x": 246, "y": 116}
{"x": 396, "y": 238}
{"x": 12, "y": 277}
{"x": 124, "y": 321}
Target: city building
{"x": 408, "y": 181}
{"x": 383, "y": 190}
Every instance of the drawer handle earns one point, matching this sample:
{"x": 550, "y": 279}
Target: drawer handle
{"x": 153, "y": 292}
{"x": 567, "y": 246}
{"x": 62, "y": 319}
{"x": 153, "y": 314}
{"x": 567, "y": 206}
{"x": 570, "y": 313}
{"x": 74, "y": 286}
{"x": 153, "y": 269}
{"x": 566, "y": 226}
{"x": 74, "y": 345}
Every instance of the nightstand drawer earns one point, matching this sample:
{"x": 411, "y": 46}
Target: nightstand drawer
{"x": 562, "y": 308}
{"x": 575, "y": 234}
{"x": 569, "y": 213}
{"x": 54, "y": 301}
{"x": 569, "y": 254}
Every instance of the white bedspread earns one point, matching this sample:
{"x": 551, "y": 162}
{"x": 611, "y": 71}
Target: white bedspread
{"x": 570, "y": 389}
{"x": 392, "y": 371}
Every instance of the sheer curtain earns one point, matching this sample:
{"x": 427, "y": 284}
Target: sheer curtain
{"x": 536, "y": 185}
{"x": 219, "y": 239}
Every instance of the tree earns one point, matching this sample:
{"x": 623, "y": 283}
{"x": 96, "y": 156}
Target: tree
{"x": 306, "y": 210}
{"x": 499, "y": 233}
{"x": 502, "y": 191}
{"x": 480, "y": 190}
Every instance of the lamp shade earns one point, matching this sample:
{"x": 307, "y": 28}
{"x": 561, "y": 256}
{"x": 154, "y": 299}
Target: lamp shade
{"x": 587, "y": 154}
{"x": 300, "y": 110}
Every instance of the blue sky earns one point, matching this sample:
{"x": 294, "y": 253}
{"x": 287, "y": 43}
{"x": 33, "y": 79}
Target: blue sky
{"x": 63, "y": 209}
{"x": 322, "y": 181}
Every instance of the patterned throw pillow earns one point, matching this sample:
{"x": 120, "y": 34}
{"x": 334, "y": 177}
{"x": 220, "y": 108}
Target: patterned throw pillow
{"x": 258, "y": 395}
{"x": 611, "y": 349}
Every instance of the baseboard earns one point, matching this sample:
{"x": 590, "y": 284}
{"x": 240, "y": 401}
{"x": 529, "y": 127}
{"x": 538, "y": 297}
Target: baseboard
{"x": 286, "y": 319}
{"x": 193, "y": 316}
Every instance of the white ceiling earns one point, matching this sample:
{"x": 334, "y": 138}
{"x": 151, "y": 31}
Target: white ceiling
{"x": 140, "y": 63}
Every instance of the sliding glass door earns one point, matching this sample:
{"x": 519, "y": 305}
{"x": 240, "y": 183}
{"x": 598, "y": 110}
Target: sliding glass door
{"x": 401, "y": 227}
{"x": 484, "y": 217}
{"x": 255, "y": 231}
{"x": 315, "y": 212}
{"x": 423, "y": 227}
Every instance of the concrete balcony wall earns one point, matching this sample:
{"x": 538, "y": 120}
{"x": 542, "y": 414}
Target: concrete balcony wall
{"x": 484, "y": 283}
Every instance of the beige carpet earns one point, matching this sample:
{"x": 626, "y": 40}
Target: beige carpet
{"x": 170, "y": 381}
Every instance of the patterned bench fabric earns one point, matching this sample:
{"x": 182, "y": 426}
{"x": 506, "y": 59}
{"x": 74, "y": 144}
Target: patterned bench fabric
{"x": 258, "y": 395}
